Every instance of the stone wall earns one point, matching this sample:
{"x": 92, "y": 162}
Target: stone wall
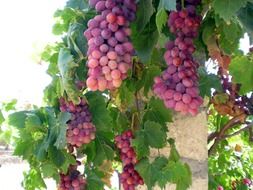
{"x": 190, "y": 134}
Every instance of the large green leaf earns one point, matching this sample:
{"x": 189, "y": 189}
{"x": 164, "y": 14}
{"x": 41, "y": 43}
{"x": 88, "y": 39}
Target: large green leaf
{"x": 17, "y": 119}
{"x": 151, "y": 136}
{"x": 144, "y": 13}
{"x": 245, "y": 16}
{"x": 67, "y": 68}
{"x": 241, "y": 69}
{"x": 226, "y": 9}
{"x": 94, "y": 181}
{"x": 100, "y": 115}
{"x": 145, "y": 41}
{"x": 103, "y": 152}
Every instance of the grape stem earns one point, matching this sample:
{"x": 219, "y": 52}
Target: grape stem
{"x": 182, "y": 4}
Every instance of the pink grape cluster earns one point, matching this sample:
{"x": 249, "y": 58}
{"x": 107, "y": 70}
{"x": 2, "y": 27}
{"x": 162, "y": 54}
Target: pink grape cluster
{"x": 109, "y": 48}
{"x": 72, "y": 180}
{"x": 129, "y": 178}
{"x": 178, "y": 84}
{"x": 80, "y": 129}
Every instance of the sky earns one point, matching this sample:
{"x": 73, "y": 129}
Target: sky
{"x": 25, "y": 28}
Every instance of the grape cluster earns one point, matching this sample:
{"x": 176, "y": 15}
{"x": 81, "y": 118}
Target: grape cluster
{"x": 80, "y": 129}
{"x": 109, "y": 48}
{"x": 129, "y": 178}
{"x": 178, "y": 84}
{"x": 73, "y": 180}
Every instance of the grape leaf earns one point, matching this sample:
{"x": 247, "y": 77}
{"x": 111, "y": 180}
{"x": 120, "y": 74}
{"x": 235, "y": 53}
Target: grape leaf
{"x": 56, "y": 156}
{"x": 53, "y": 91}
{"x": 151, "y": 136}
{"x": 179, "y": 174}
{"x": 167, "y": 5}
{"x": 33, "y": 123}
{"x": 241, "y": 69}
{"x": 11, "y": 105}
{"x": 2, "y": 119}
{"x": 100, "y": 115}
{"x": 48, "y": 169}
{"x": 230, "y": 35}
{"x": 67, "y": 68}
{"x": 94, "y": 181}
{"x": 161, "y": 19}
{"x": 148, "y": 77}
{"x": 144, "y": 13}
{"x": 144, "y": 168}
{"x": 145, "y": 41}
{"x": 207, "y": 82}
{"x": 245, "y": 16}
{"x": 63, "y": 118}
{"x": 153, "y": 173}
{"x": 17, "y": 119}
{"x": 157, "y": 112}
{"x": 140, "y": 145}
{"x": 69, "y": 159}
{"x": 103, "y": 151}
{"x": 226, "y": 9}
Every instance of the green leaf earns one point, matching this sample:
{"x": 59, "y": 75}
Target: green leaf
{"x": 67, "y": 68}
{"x": 230, "y": 35}
{"x": 245, "y": 16}
{"x": 23, "y": 149}
{"x": 241, "y": 69}
{"x": 48, "y": 170}
{"x": 53, "y": 91}
{"x": 161, "y": 19}
{"x": 145, "y": 41}
{"x": 153, "y": 173}
{"x": 167, "y": 5}
{"x": 180, "y": 174}
{"x": 100, "y": 115}
{"x": 155, "y": 136}
{"x": 140, "y": 145}
{"x": 8, "y": 106}
{"x": 144, "y": 13}
{"x": 2, "y": 119}
{"x": 148, "y": 78}
{"x": 103, "y": 152}
{"x": 144, "y": 168}
{"x": 33, "y": 123}
{"x": 207, "y": 82}
{"x": 17, "y": 119}
{"x": 152, "y": 135}
{"x": 94, "y": 181}
{"x": 56, "y": 156}
{"x": 63, "y": 118}
{"x": 226, "y": 9}
{"x": 69, "y": 160}
{"x": 157, "y": 112}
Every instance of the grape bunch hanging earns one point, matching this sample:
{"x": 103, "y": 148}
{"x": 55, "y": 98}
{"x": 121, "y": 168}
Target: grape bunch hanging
{"x": 109, "y": 48}
{"x": 178, "y": 84}
{"x": 129, "y": 178}
{"x": 72, "y": 180}
{"x": 80, "y": 129}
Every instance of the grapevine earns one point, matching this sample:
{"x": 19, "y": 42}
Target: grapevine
{"x": 80, "y": 130}
{"x": 110, "y": 50}
{"x": 129, "y": 178}
{"x": 121, "y": 70}
{"x": 178, "y": 84}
